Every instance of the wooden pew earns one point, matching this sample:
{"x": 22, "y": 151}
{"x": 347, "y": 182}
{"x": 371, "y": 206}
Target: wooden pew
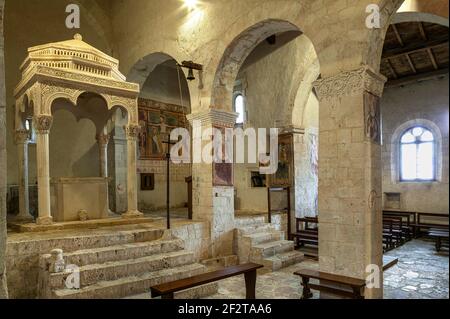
{"x": 427, "y": 225}
{"x": 440, "y": 236}
{"x": 167, "y": 290}
{"x": 354, "y": 288}
{"x": 409, "y": 219}
{"x": 305, "y": 233}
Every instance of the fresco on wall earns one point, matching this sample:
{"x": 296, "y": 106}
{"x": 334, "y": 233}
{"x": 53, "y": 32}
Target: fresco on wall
{"x": 372, "y": 117}
{"x": 222, "y": 172}
{"x": 284, "y": 175}
{"x": 157, "y": 120}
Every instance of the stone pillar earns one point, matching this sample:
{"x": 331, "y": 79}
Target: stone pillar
{"x": 213, "y": 198}
{"x": 102, "y": 141}
{"x": 3, "y": 284}
{"x": 350, "y": 217}
{"x": 22, "y": 138}
{"x": 43, "y": 124}
{"x": 132, "y": 134}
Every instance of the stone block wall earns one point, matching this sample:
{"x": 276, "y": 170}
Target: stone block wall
{"x": 156, "y": 199}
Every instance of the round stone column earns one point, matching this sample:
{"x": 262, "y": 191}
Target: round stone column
{"x": 43, "y": 124}
{"x": 132, "y": 132}
{"x": 22, "y": 139}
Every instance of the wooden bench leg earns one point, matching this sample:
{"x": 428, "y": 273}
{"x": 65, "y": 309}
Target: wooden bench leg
{"x": 307, "y": 294}
{"x": 438, "y": 244}
{"x": 357, "y": 293}
{"x": 250, "y": 285}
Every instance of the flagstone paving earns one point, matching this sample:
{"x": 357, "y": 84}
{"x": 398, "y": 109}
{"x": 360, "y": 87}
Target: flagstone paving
{"x": 420, "y": 274}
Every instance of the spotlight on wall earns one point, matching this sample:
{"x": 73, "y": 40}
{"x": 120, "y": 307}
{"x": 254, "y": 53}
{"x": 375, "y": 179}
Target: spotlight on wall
{"x": 190, "y": 4}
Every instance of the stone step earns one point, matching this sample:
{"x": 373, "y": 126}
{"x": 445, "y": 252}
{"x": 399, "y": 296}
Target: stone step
{"x": 283, "y": 260}
{"x": 265, "y": 237}
{"x": 262, "y": 251}
{"x": 122, "y": 252}
{"x": 114, "y": 270}
{"x": 71, "y": 243}
{"x": 255, "y": 229}
{"x": 131, "y": 285}
{"x": 249, "y": 221}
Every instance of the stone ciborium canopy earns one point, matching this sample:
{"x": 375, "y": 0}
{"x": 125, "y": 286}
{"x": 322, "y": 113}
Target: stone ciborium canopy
{"x": 65, "y": 71}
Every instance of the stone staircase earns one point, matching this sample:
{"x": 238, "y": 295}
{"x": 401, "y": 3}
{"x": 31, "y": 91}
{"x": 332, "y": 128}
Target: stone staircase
{"x": 120, "y": 270}
{"x": 260, "y": 242}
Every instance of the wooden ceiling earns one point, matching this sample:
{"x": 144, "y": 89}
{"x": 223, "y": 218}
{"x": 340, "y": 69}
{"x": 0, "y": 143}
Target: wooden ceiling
{"x": 414, "y": 51}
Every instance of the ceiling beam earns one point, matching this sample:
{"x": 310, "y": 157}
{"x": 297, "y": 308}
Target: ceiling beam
{"x": 423, "y": 34}
{"x": 416, "y": 47}
{"x": 416, "y": 78}
{"x": 391, "y": 69}
{"x": 433, "y": 59}
{"x": 397, "y": 35}
{"x": 411, "y": 64}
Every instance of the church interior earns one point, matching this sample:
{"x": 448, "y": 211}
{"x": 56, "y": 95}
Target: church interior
{"x": 93, "y": 205}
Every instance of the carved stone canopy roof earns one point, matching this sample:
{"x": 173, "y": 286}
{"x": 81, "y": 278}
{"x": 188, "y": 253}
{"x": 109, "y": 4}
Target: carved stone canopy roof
{"x": 68, "y": 69}
{"x": 73, "y": 54}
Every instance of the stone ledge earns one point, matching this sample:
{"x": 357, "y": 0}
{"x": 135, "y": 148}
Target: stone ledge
{"x": 89, "y": 224}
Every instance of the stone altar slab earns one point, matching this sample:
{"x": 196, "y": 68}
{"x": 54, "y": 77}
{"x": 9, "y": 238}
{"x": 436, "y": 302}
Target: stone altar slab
{"x": 71, "y": 195}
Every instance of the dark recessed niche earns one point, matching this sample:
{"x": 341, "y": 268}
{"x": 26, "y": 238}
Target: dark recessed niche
{"x": 258, "y": 180}
{"x": 147, "y": 182}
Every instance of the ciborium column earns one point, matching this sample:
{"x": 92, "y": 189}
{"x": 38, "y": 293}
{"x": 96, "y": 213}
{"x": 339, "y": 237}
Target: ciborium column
{"x": 43, "y": 123}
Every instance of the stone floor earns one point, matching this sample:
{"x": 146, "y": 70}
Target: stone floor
{"x": 420, "y": 274}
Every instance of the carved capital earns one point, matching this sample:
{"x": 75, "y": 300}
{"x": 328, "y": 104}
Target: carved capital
{"x": 350, "y": 83}
{"x": 22, "y": 136}
{"x": 132, "y": 131}
{"x": 102, "y": 139}
{"x": 43, "y": 124}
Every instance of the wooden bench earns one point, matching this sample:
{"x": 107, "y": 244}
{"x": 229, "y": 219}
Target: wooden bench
{"x": 167, "y": 290}
{"x": 331, "y": 284}
{"x": 440, "y": 236}
{"x": 428, "y": 225}
{"x": 305, "y": 234}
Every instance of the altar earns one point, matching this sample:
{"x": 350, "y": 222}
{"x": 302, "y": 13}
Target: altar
{"x": 76, "y": 198}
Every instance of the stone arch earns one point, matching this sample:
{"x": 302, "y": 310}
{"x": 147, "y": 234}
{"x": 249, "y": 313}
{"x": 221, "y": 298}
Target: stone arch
{"x": 388, "y": 9}
{"x": 81, "y": 110}
{"x": 390, "y": 14}
{"x": 401, "y": 17}
{"x": 301, "y": 95}
{"x": 235, "y": 55}
{"x": 141, "y": 70}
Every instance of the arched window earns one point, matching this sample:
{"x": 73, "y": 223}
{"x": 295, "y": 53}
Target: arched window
{"x": 239, "y": 107}
{"x": 417, "y": 155}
